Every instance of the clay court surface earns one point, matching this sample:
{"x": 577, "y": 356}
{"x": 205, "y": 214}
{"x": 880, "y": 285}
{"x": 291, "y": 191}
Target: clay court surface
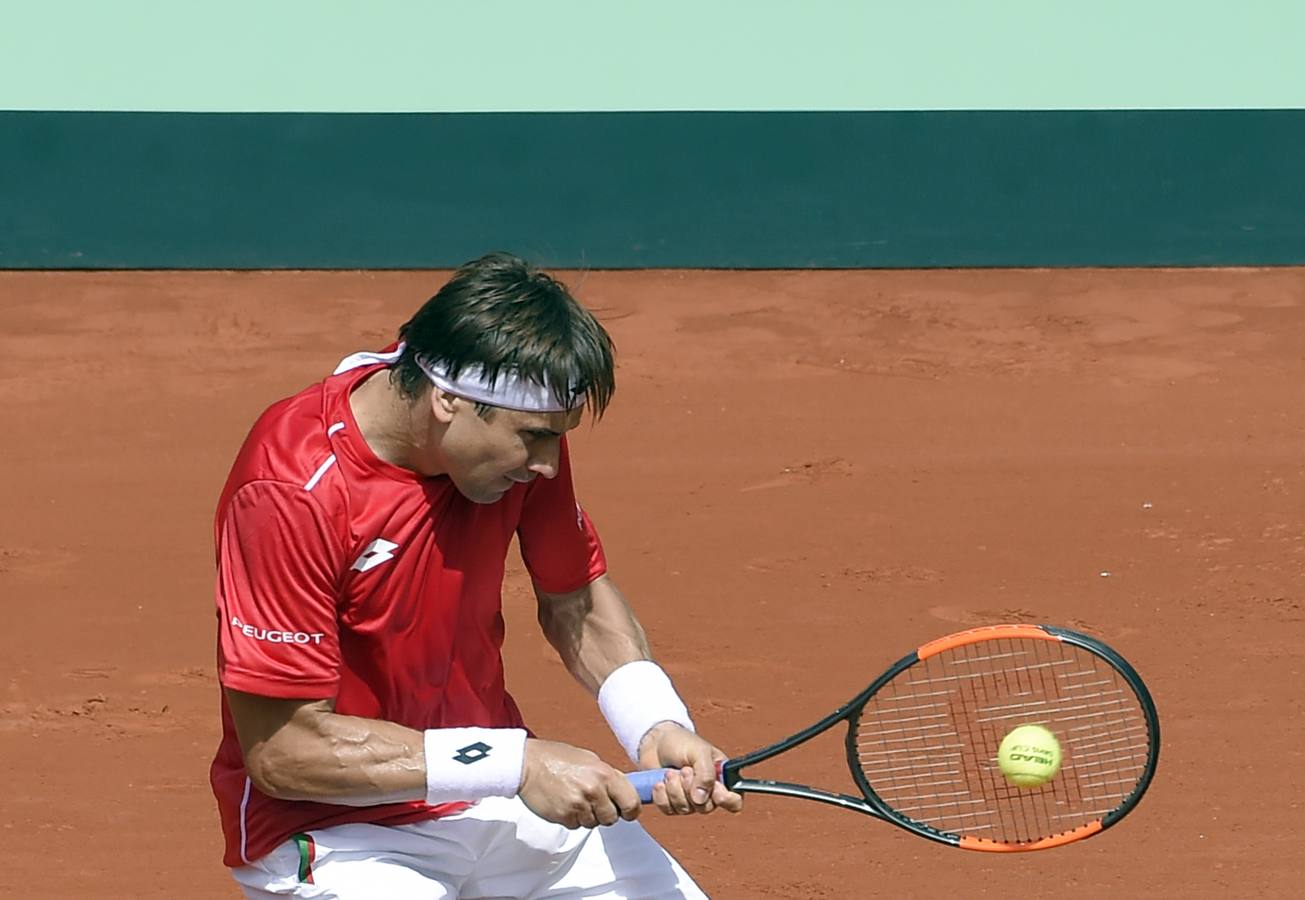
{"x": 804, "y": 475}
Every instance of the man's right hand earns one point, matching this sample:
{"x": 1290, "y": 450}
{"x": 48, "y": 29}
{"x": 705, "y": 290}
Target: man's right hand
{"x": 572, "y": 787}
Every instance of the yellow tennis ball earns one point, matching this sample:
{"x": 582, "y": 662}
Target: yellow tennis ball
{"x": 1029, "y": 756}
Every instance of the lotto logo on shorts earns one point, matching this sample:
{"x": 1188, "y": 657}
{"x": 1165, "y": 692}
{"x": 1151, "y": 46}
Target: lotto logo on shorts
{"x": 472, "y": 753}
{"x": 276, "y": 637}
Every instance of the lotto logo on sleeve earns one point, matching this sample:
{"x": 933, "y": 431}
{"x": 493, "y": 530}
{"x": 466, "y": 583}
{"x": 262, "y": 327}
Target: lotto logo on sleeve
{"x": 276, "y": 637}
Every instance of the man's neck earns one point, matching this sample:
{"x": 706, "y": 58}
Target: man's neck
{"x": 390, "y": 422}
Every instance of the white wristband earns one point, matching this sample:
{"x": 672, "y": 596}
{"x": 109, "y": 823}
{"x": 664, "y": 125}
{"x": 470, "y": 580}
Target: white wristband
{"x": 636, "y": 697}
{"x": 473, "y": 763}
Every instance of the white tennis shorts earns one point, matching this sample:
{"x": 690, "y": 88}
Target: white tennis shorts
{"x": 496, "y": 849}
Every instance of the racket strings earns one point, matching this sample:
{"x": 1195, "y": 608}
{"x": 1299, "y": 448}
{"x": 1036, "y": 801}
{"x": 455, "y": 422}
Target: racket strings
{"x": 927, "y": 741}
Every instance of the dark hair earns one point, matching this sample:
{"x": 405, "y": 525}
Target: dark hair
{"x": 504, "y": 315}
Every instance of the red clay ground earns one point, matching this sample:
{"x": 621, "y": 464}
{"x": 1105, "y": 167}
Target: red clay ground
{"x": 804, "y": 475}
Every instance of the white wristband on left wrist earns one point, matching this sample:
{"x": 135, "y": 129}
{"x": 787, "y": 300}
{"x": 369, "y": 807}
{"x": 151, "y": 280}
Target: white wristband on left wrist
{"x": 635, "y": 698}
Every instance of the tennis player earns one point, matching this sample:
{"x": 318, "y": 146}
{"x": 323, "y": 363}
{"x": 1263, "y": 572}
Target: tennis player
{"x": 369, "y": 746}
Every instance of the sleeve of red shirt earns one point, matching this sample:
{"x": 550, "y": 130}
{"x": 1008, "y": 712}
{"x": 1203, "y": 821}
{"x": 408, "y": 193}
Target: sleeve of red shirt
{"x": 278, "y": 563}
{"x": 559, "y": 545}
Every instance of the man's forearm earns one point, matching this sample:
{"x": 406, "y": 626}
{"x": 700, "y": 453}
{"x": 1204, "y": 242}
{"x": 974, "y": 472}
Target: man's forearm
{"x": 304, "y": 750}
{"x": 593, "y": 630}
{"x": 606, "y": 650}
{"x": 339, "y": 759}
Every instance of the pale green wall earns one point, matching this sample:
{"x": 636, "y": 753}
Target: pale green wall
{"x": 512, "y": 55}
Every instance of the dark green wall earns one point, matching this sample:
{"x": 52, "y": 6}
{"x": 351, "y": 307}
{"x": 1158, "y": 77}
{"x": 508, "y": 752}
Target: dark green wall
{"x": 618, "y": 190}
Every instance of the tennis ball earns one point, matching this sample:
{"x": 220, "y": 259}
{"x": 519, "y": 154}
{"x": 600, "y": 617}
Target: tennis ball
{"x": 1029, "y": 756}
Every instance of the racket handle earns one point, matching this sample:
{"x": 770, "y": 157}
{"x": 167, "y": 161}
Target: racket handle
{"x": 644, "y": 780}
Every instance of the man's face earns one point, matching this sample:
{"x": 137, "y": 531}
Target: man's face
{"x": 485, "y": 457}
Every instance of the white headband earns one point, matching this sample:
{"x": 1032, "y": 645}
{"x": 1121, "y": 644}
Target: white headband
{"x": 509, "y": 391}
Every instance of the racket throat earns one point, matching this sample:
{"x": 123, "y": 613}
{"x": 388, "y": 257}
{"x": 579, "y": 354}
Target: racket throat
{"x": 787, "y": 789}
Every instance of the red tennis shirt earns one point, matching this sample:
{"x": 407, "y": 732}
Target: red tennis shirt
{"x": 342, "y": 576}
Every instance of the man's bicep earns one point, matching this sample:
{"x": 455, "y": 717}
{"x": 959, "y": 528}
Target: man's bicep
{"x": 259, "y": 719}
{"x": 278, "y": 569}
{"x": 581, "y": 594}
{"x": 564, "y": 612}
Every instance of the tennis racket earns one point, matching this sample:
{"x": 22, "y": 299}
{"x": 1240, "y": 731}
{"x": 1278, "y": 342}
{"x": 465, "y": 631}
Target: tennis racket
{"x": 922, "y": 740}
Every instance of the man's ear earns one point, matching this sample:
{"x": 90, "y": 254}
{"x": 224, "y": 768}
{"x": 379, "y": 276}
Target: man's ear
{"x": 443, "y": 405}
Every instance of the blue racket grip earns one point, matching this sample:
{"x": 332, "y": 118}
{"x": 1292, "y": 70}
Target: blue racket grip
{"x": 644, "y": 780}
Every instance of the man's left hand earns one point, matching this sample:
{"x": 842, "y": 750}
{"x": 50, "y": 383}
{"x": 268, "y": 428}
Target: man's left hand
{"x": 691, "y": 786}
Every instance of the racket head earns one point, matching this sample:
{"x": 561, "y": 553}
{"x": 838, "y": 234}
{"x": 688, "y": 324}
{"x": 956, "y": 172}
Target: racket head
{"x": 922, "y": 739}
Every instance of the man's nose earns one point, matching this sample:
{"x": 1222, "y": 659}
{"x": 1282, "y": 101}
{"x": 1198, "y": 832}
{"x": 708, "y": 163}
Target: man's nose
{"x": 544, "y": 460}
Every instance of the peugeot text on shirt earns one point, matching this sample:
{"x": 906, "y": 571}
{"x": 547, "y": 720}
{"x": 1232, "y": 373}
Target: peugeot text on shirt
{"x": 275, "y": 637}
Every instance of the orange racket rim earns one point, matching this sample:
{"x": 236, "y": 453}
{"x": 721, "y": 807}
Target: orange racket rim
{"x": 963, "y": 641}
